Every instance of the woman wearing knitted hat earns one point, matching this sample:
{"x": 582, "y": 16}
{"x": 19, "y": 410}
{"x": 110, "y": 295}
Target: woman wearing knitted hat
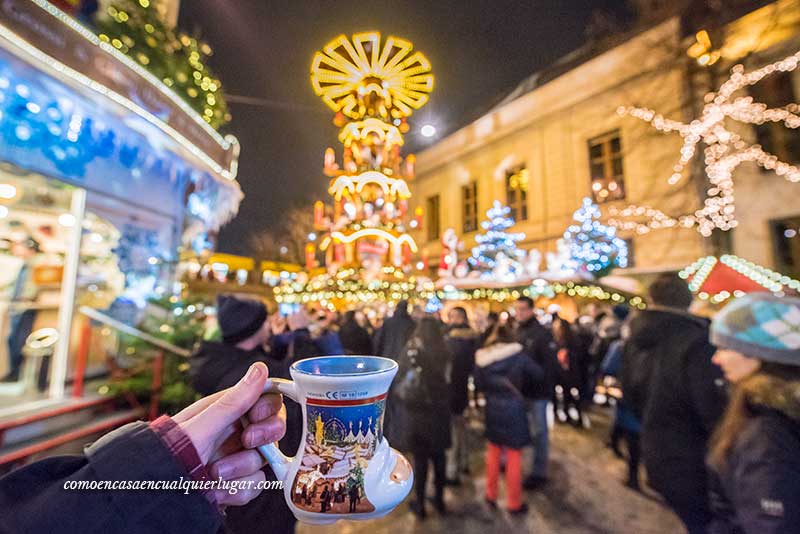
{"x": 755, "y": 451}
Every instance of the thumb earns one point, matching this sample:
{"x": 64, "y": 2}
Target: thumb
{"x": 229, "y": 407}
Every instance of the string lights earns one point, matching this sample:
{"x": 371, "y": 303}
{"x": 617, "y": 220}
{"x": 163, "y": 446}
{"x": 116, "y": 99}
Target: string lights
{"x": 593, "y": 245}
{"x": 394, "y": 187}
{"x": 725, "y": 151}
{"x": 698, "y": 272}
{"x": 394, "y": 240}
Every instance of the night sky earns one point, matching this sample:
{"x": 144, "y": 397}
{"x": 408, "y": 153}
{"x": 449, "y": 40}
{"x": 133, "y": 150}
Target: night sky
{"x": 263, "y": 49}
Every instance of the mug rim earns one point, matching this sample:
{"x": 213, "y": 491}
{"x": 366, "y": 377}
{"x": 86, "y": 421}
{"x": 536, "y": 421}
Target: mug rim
{"x": 393, "y": 365}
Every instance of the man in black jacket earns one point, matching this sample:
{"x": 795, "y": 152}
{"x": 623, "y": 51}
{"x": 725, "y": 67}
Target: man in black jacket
{"x": 391, "y": 338}
{"x": 671, "y": 384}
{"x": 538, "y": 344}
{"x": 219, "y": 365}
{"x": 462, "y": 342}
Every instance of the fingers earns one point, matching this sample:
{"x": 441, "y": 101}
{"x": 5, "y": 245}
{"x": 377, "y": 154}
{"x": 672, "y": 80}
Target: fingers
{"x": 194, "y": 409}
{"x": 242, "y": 495}
{"x": 205, "y": 428}
{"x": 227, "y": 443}
{"x": 237, "y": 465}
{"x": 266, "y": 431}
{"x": 265, "y": 407}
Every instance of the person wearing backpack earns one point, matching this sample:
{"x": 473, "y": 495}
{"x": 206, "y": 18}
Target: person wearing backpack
{"x": 502, "y": 371}
{"x": 422, "y": 389}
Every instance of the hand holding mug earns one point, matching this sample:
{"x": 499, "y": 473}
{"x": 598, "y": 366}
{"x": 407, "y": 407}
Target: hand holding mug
{"x": 212, "y": 424}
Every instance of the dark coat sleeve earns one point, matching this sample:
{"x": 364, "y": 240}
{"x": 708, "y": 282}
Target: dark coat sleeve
{"x": 33, "y": 499}
{"x": 704, "y": 380}
{"x": 764, "y": 486}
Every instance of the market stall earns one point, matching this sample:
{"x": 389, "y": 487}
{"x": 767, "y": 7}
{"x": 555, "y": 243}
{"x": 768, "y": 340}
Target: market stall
{"x": 105, "y": 175}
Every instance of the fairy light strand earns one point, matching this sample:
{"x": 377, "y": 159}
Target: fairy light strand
{"x": 724, "y": 151}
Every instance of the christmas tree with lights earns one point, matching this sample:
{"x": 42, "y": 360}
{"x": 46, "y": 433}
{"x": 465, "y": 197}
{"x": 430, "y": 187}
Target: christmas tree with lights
{"x": 593, "y": 246}
{"x": 373, "y": 86}
{"x": 496, "y": 254}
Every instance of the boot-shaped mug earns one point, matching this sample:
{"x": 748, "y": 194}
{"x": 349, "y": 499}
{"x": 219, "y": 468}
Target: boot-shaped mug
{"x": 344, "y": 468}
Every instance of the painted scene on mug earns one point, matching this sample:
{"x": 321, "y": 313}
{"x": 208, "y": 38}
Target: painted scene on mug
{"x": 340, "y": 441}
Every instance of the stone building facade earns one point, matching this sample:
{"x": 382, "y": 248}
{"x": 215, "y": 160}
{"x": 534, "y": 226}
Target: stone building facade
{"x": 558, "y": 138}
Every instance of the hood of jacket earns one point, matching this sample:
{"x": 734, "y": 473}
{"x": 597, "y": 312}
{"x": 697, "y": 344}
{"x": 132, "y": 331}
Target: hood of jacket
{"x": 462, "y": 332}
{"x": 649, "y": 326}
{"x": 494, "y": 353}
{"x": 773, "y": 393}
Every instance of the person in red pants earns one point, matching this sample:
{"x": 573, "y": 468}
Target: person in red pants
{"x": 502, "y": 371}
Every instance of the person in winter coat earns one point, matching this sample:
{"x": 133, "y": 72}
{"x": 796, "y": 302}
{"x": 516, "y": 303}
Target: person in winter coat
{"x": 462, "y": 342}
{"x": 216, "y": 366}
{"x": 197, "y": 445}
{"x": 422, "y": 391}
{"x": 391, "y": 338}
{"x": 390, "y": 341}
{"x": 573, "y": 360}
{"x": 675, "y": 391}
{"x": 539, "y": 346}
{"x": 755, "y": 451}
{"x": 626, "y": 425}
{"x": 355, "y": 338}
{"x": 503, "y": 370}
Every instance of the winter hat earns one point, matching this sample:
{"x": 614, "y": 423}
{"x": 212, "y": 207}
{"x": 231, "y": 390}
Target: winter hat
{"x": 239, "y": 318}
{"x": 760, "y": 325}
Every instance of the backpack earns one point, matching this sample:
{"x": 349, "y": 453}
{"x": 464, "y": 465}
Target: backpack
{"x": 410, "y": 387}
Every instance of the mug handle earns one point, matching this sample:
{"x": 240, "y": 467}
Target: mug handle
{"x": 278, "y": 461}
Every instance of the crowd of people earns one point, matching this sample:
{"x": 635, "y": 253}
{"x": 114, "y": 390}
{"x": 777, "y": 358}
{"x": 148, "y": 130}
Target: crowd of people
{"x": 711, "y": 409}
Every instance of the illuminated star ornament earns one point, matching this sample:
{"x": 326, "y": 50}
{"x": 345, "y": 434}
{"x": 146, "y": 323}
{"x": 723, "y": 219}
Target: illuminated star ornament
{"x": 347, "y": 73}
{"x": 724, "y": 152}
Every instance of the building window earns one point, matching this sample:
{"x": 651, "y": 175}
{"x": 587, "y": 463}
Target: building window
{"x": 786, "y": 243}
{"x": 605, "y": 167}
{"x": 517, "y": 192}
{"x": 432, "y": 217}
{"x": 469, "y": 206}
{"x": 776, "y": 91}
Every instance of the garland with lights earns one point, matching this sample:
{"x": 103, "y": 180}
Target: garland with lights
{"x": 135, "y": 28}
{"x": 595, "y": 247}
{"x": 725, "y": 151}
{"x": 496, "y": 247}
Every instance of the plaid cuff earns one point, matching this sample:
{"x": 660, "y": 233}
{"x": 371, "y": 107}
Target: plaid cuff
{"x": 183, "y": 450}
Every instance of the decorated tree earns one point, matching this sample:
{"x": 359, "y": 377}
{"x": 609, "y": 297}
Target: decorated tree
{"x": 135, "y": 28}
{"x": 496, "y": 252}
{"x": 594, "y": 247}
{"x": 724, "y": 150}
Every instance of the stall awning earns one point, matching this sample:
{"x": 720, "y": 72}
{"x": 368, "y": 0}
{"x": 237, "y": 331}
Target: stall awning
{"x": 719, "y": 279}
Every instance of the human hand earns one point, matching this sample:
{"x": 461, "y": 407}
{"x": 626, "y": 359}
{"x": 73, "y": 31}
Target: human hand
{"x": 212, "y": 424}
{"x": 298, "y": 320}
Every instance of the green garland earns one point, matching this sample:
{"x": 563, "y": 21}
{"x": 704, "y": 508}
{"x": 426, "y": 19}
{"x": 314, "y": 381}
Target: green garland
{"x": 135, "y": 28}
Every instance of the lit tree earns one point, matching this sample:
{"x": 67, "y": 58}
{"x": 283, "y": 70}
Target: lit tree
{"x": 724, "y": 151}
{"x": 594, "y": 246}
{"x": 135, "y": 28}
{"x": 497, "y": 248}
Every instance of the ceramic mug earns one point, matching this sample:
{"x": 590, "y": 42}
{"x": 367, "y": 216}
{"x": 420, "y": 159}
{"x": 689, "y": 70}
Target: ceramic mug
{"x": 344, "y": 468}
